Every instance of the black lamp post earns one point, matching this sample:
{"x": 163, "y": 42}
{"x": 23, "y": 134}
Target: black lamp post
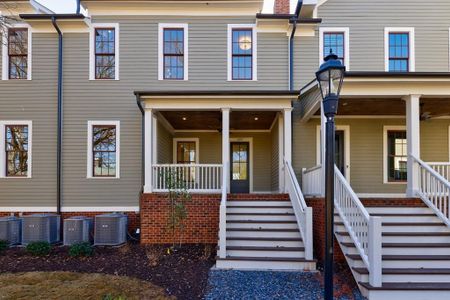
{"x": 330, "y": 77}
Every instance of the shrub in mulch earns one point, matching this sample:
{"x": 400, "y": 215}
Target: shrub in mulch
{"x": 3, "y": 246}
{"x": 183, "y": 273}
{"x": 39, "y": 248}
{"x": 81, "y": 249}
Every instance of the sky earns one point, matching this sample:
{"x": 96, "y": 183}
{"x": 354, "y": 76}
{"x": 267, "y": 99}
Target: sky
{"x": 69, "y": 6}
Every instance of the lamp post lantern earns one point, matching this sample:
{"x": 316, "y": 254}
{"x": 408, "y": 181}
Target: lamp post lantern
{"x": 330, "y": 77}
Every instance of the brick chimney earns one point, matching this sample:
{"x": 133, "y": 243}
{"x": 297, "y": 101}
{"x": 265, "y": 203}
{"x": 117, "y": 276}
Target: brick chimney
{"x": 281, "y": 7}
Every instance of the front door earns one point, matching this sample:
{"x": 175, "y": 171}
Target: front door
{"x": 340, "y": 151}
{"x": 240, "y": 167}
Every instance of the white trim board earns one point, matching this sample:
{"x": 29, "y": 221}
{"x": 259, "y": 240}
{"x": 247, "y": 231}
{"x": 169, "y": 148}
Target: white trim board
{"x": 250, "y": 142}
{"x": 175, "y": 141}
{"x": 346, "y": 32}
{"x": 89, "y": 169}
{"x": 161, "y": 27}
{"x": 385, "y": 152}
{"x": 92, "y": 28}
{"x": 5, "y": 57}
{"x": 412, "y": 46}
{"x": 230, "y": 50}
{"x": 19, "y": 209}
{"x": 3, "y": 148}
{"x": 347, "y": 161}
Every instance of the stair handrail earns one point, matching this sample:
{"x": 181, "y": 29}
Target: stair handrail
{"x": 312, "y": 180}
{"x": 364, "y": 230}
{"x": 223, "y": 215}
{"x": 303, "y": 213}
{"x": 433, "y": 189}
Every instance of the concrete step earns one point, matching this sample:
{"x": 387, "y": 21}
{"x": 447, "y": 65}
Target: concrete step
{"x": 265, "y": 263}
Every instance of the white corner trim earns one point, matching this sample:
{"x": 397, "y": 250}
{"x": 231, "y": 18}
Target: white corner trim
{"x": 92, "y": 28}
{"x": 385, "y": 152}
{"x": 412, "y": 46}
{"x": 347, "y": 161}
{"x": 230, "y": 50}
{"x": 250, "y": 142}
{"x": 5, "y": 58}
{"x": 346, "y": 32}
{"x": 161, "y": 27}
{"x": 90, "y": 124}
{"x": 3, "y": 147}
{"x": 188, "y": 139}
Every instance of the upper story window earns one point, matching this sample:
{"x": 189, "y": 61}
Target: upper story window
{"x": 103, "y": 149}
{"x": 399, "y": 50}
{"x": 173, "y": 52}
{"x": 104, "y": 52}
{"x": 241, "y": 52}
{"x": 16, "y": 149}
{"x": 336, "y": 40}
{"x": 16, "y": 53}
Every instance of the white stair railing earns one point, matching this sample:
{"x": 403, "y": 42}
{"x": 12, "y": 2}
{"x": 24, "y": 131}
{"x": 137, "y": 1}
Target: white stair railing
{"x": 223, "y": 216}
{"x": 303, "y": 213}
{"x": 434, "y": 189}
{"x": 443, "y": 168}
{"x": 205, "y": 178}
{"x": 364, "y": 230}
{"x": 312, "y": 181}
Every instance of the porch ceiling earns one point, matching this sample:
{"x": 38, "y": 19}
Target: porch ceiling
{"x": 212, "y": 120}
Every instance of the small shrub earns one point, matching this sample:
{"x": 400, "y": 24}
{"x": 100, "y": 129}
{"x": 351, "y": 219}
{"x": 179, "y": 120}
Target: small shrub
{"x": 111, "y": 297}
{"x": 3, "y": 245}
{"x": 39, "y": 248}
{"x": 81, "y": 249}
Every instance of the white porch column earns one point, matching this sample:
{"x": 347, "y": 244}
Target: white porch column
{"x": 413, "y": 141}
{"x": 323, "y": 121}
{"x": 226, "y": 146}
{"x": 288, "y": 134}
{"x": 280, "y": 153}
{"x": 148, "y": 146}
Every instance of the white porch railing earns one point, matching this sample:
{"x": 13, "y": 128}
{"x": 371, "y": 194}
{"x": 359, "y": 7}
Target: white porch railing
{"x": 434, "y": 188}
{"x": 312, "y": 181}
{"x": 364, "y": 230}
{"x": 303, "y": 213}
{"x": 443, "y": 168}
{"x": 206, "y": 178}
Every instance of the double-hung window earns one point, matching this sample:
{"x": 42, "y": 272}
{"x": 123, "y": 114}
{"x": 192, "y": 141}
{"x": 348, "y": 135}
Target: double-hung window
{"x": 15, "y": 154}
{"x": 399, "y": 50}
{"x": 335, "y": 40}
{"x": 16, "y": 53}
{"x": 241, "y": 52}
{"x": 173, "y": 52}
{"x": 103, "y": 149}
{"x": 396, "y": 154}
{"x": 104, "y": 52}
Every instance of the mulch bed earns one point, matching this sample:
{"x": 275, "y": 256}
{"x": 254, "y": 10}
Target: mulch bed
{"x": 183, "y": 273}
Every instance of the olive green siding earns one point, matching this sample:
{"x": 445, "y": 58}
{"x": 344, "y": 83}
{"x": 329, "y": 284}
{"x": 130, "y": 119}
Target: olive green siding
{"x": 366, "y": 149}
{"x": 366, "y": 20}
{"x": 164, "y": 145}
{"x": 275, "y": 156}
{"x": 34, "y": 100}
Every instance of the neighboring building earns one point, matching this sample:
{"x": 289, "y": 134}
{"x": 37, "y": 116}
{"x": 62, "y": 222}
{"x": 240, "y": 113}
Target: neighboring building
{"x": 205, "y": 91}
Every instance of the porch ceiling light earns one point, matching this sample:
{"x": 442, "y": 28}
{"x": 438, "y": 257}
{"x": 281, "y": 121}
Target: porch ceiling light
{"x": 184, "y": 118}
{"x": 330, "y": 77}
{"x": 256, "y": 118}
{"x": 245, "y": 42}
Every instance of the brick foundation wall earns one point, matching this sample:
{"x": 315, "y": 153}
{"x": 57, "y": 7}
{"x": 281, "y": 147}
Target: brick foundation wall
{"x": 133, "y": 217}
{"x": 318, "y": 206}
{"x": 201, "y": 225}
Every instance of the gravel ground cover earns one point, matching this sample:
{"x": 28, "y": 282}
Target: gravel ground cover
{"x": 232, "y": 284}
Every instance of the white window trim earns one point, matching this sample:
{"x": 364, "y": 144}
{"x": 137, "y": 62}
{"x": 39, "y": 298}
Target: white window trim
{"x": 346, "y": 130}
{"x": 230, "y": 51}
{"x": 412, "y": 46}
{"x": 385, "y": 153}
{"x": 3, "y": 152}
{"x": 197, "y": 147}
{"x": 92, "y": 49}
{"x": 5, "y": 58}
{"x": 161, "y": 27}
{"x": 346, "y": 32}
{"x": 90, "y": 124}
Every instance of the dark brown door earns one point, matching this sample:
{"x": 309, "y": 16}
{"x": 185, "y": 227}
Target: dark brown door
{"x": 240, "y": 167}
{"x": 340, "y": 151}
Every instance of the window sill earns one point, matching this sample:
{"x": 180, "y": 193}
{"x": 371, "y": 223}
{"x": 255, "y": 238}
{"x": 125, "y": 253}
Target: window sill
{"x": 396, "y": 182}
{"x": 15, "y": 177}
{"x": 102, "y": 178}
{"x": 242, "y": 80}
{"x": 91, "y": 79}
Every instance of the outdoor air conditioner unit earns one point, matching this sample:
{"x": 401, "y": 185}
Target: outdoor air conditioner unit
{"x": 110, "y": 229}
{"x": 11, "y": 230}
{"x": 40, "y": 228}
{"x": 77, "y": 230}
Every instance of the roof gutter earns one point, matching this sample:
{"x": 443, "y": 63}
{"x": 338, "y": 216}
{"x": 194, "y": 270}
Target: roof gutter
{"x": 60, "y": 118}
{"x": 294, "y": 20}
